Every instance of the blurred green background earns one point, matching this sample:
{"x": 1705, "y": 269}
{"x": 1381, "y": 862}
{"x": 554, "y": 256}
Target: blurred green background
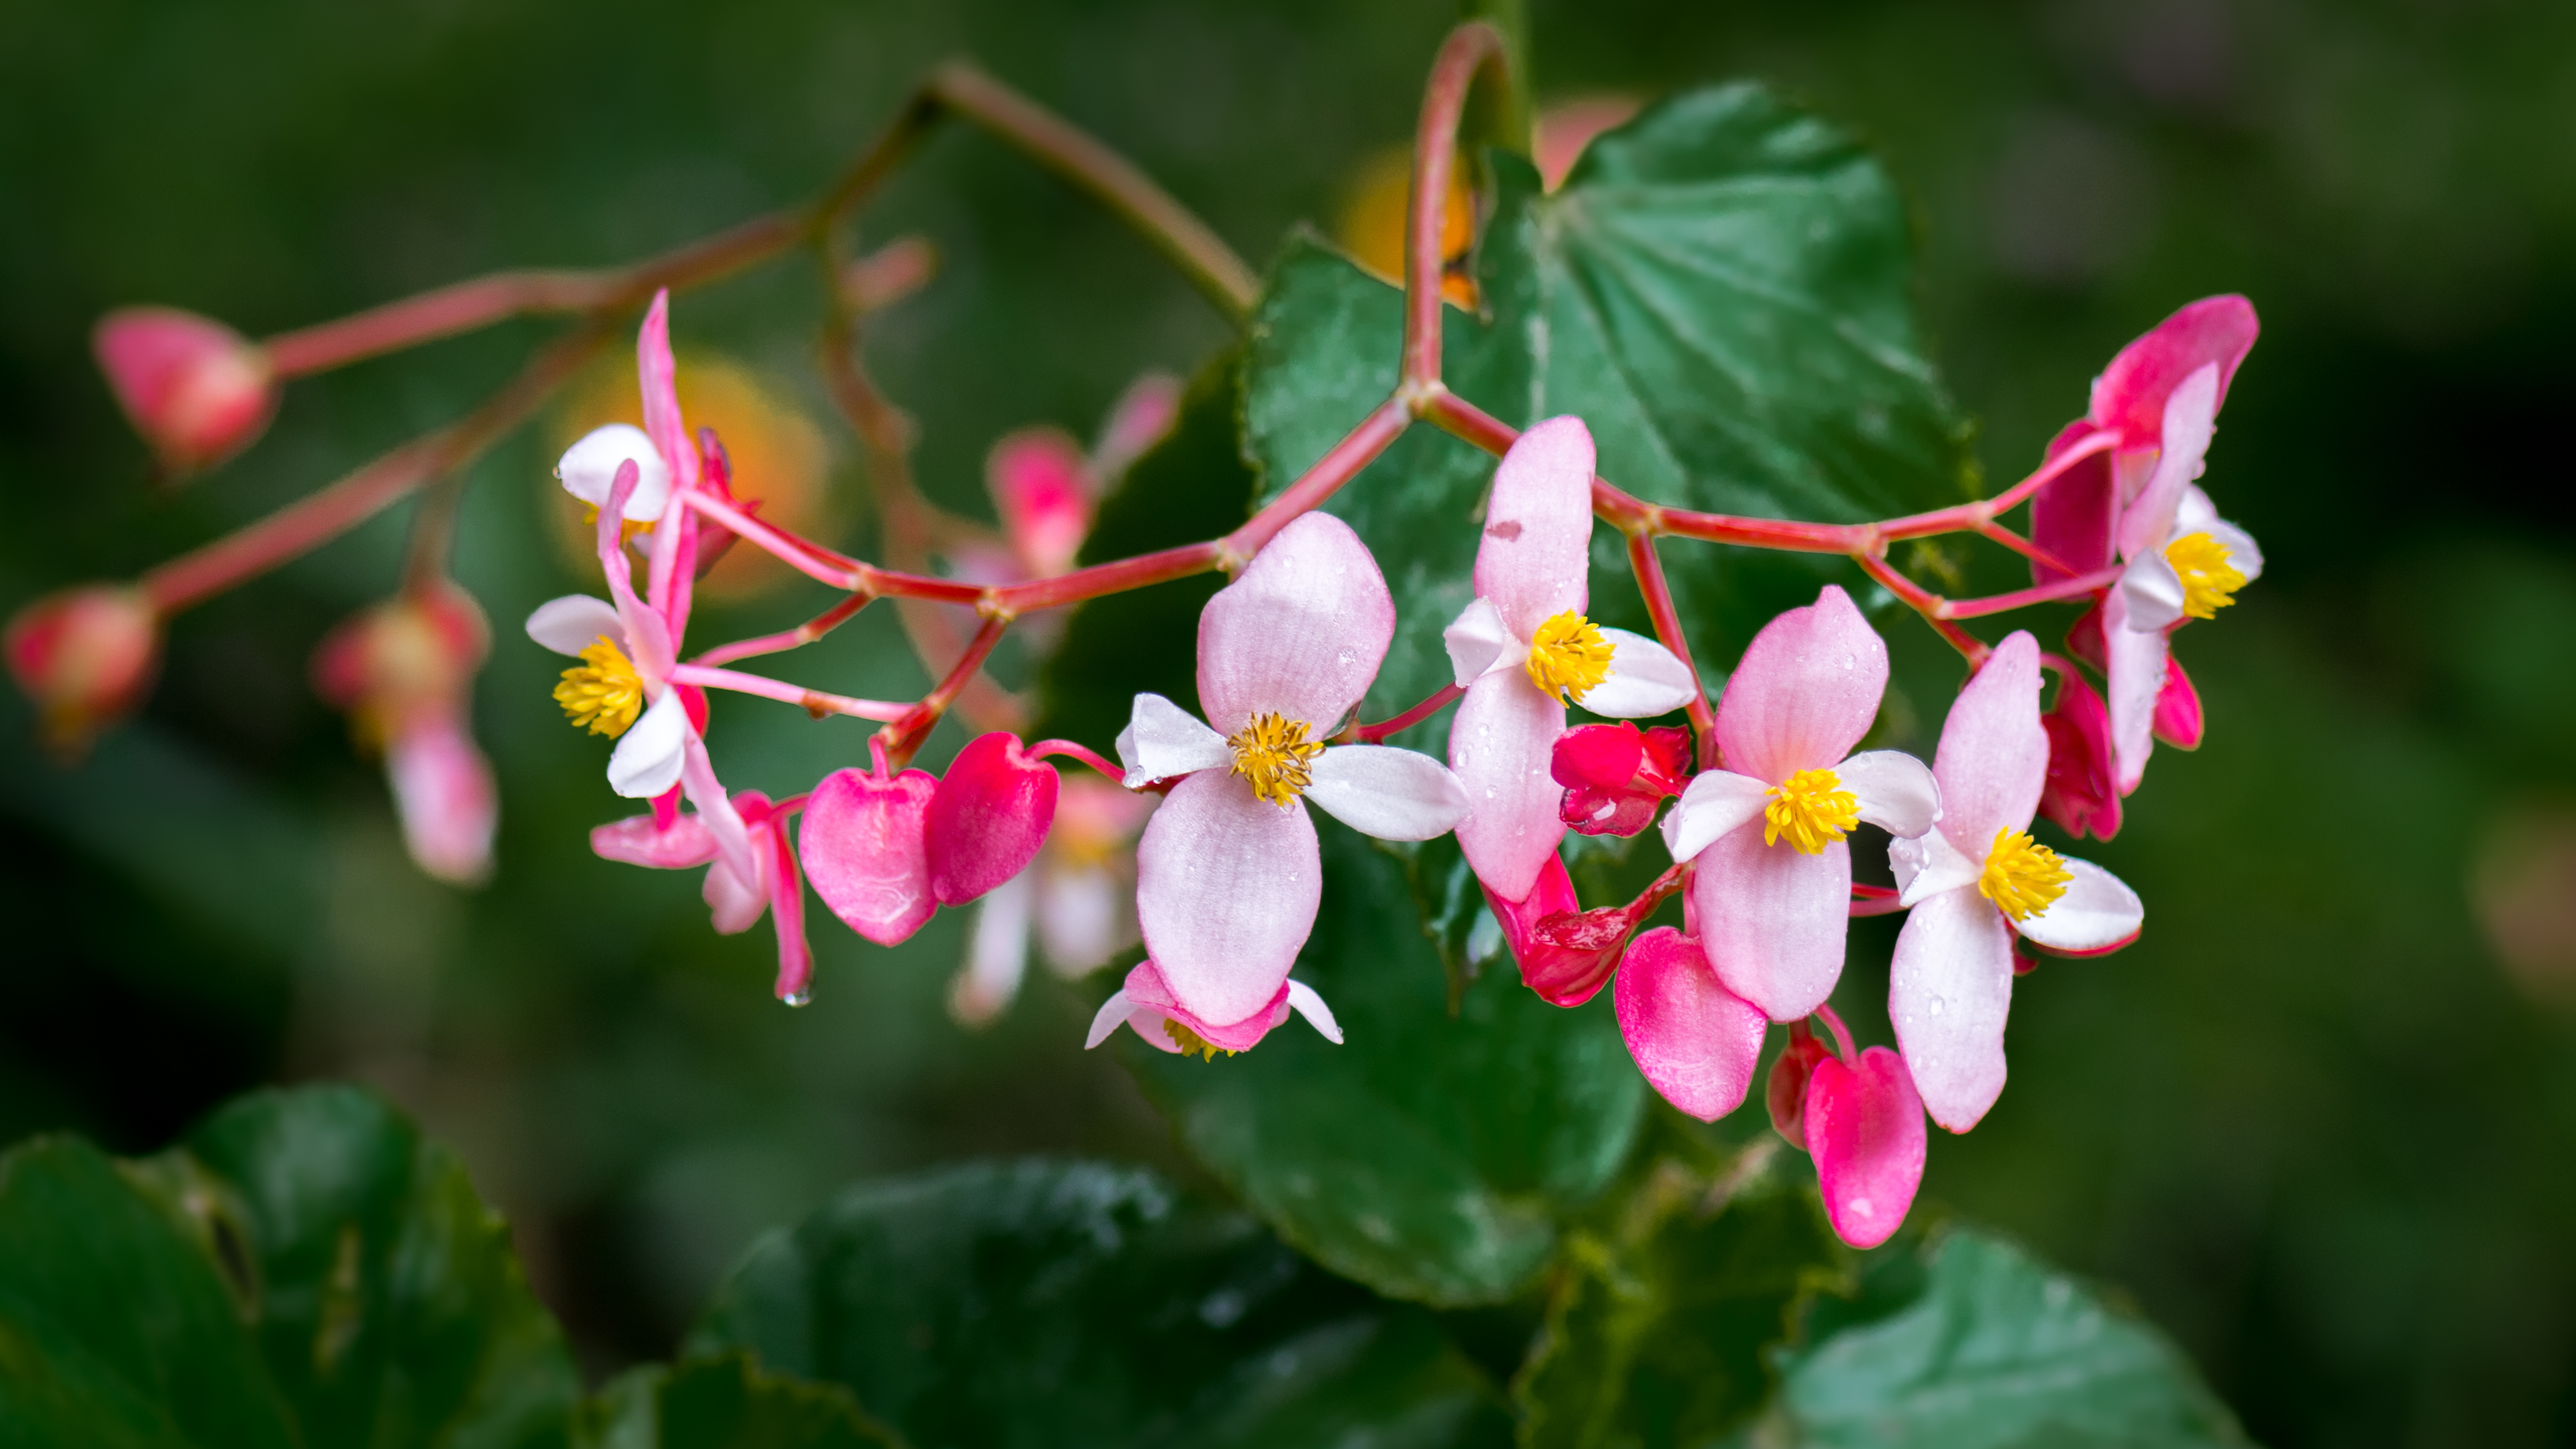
{"x": 2321, "y": 1122}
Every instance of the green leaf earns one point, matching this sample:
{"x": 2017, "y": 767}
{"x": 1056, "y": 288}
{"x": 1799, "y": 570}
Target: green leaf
{"x": 1192, "y": 486}
{"x": 1052, "y": 1303}
{"x": 725, "y": 1402}
{"x": 1994, "y": 1349}
{"x": 1430, "y": 1156}
{"x": 1657, "y": 1328}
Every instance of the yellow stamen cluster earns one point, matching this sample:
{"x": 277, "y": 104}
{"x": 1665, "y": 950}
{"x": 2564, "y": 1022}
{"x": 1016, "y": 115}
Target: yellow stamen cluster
{"x": 627, "y": 528}
{"x": 1272, "y": 751}
{"x": 1568, "y": 657}
{"x": 603, "y": 691}
{"x": 1191, "y": 1042}
{"x": 2022, "y": 876}
{"x": 2209, "y": 581}
{"x": 1811, "y": 809}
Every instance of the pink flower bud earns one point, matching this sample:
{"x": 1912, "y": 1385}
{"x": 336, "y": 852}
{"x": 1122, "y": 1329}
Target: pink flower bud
{"x": 196, "y": 390}
{"x": 1786, "y": 1092}
{"x": 2178, "y": 721}
{"x": 1141, "y": 417}
{"x": 863, "y": 843}
{"x": 988, "y": 817}
{"x": 2082, "y": 790}
{"x": 85, "y": 656}
{"x": 1616, "y": 775}
{"x": 443, "y": 792}
{"x": 1864, "y": 1126}
{"x": 1042, "y": 486}
{"x": 1696, "y": 1041}
{"x": 410, "y": 654}
{"x": 1568, "y": 965}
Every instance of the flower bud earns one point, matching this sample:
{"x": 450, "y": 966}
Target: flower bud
{"x": 196, "y": 390}
{"x": 862, "y": 840}
{"x": 1567, "y": 964}
{"x": 1864, "y": 1127}
{"x": 403, "y": 658}
{"x": 2081, "y": 790}
{"x": 1616, "y": 775}
{"x": 988, "y": 817}
{"x": 84, "y": 656}
{"x": 1041, "y": 485}
{"x": 1786, "y": 1091}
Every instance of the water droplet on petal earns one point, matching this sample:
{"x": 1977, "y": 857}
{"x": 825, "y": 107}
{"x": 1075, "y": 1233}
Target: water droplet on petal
{"x": 801, "y": 996}
{"x": 1938, "y": 1003}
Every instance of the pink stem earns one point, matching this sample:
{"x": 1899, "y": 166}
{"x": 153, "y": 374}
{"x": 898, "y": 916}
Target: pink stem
{"x": 1870, "y": 900}
{"x": 1469, "y": 49}
{"x": 1337, "y": 467}
{"x": 1369, "y": 734}
{"x": 1923, "y": 602}
{"x": 2036, "y": 594}
{"x": 904, "y": 734}
{"x": 803, "y": 634}
{"x": 813, "y": 701}
{"x": 1842, "y": 1038}
{"x": 1070, "y": 750}
{"x": 1649, "y": 569}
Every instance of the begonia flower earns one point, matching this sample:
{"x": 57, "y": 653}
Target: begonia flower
{"x": 734, "y": 903}
{"x": 1147, "y": 1004}
{"x": 1229, "y": 875}
{"x": 85, "y": 657}
{"x": 1696, "y": 1041}
{"x": 196, "y": 390}
{"x": 1771, "y": 879}
{"x": 1617, "y": 776}
{"x": 2138, "y": 502}
{"x": 1785, "y": 1093}
{"x": 1523, "y": 649}
{"x": 403, "y": 671}
{"x": 1076, "y": 900}
{"x": 1976, "y": 881}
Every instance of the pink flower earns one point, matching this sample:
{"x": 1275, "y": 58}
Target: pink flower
{"x": 195, "y": 389}
{"x": 1148, "y": 1005}
{"x": 1523, "y": 648}
{"x": 1978, "y": 880}
{"x": 85, "y": 656}
{"x": 987, "y": 818}
{"x": 1771, "y": 883}
{"x": 628, "y": 645}
{"x": 2159, "y": 398}
{"x": 1045, "y": 488}
{"x": 735, "y": 902}
{"x": 1228, "y": 875}
{"x": 1696, "y": 1041}
{"x": 1075, "y": 899}
{"x": 403, "y": 671}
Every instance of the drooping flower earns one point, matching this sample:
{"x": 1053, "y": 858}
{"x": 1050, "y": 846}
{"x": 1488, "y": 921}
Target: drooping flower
{"x": 85, "y": 657}
{"x": 1147, "y": 1004}
{"x": 734, "y": 902}
{"x": 196, "y": 390}
{"x": 1564, "y": 952}
{"x": 988, "y": 817}
{"x": 1524, "y": 649}
{"x": 1228, "y": 875}
{"x": 404, "y": 671}
{"x": 1976, "y": 881}
{"x": 1076, "y": 899}
{"x": 2159, "y": 400}
{"x": 1771, "y": 884}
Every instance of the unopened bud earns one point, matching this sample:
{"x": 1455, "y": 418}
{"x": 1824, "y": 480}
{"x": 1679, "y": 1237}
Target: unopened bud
{"x": 196, "y": 390}
{"x": 407, "y": 656}
{"x": 1786, "y": 1092}
{"x": 85, "y": 656}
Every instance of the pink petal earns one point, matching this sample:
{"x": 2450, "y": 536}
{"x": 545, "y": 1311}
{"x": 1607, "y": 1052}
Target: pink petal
{"x": 1562, "y": 974}
{"x": 195, "y": 389}
{"x": 2098, "y": 914}
{"x": 2178, "y": 719}
{"x": 1615, "y": 776}
{"x": 1082, "y": 917}
{"x": 787, "y": 918}
{"x": 1786, "y": 1091}
{"x": 988, "y": 817}
{"x": 1948, "y": 992}
{"x": 734, "y": 905}
{"x": 1805, "y": 693}
{"x": 1533, "y": 563}
{"x": 2191, "y": 416}
{"x": 1302, "y": 632}
{"x": 1041, "y": 486}
{"x": 997, "y": 954}
{"x": 639, "y": 840}
{"x": 1141, "y": 417}
{"x": 1772, "y": 920}
{"x": 443, "y": 791}
{"x": 865, "y": 852}
{"x": 1695, "y": 1040}
{"x": 2074, "y": 516}
{"x": 1226, "y": 891}
{"x": 2136, "y": 680}
{"x": 1149, "y": 989}
{"x": 2130, "y": 394}
{"x": 1865, "y": 1126}
{"x": 657, "y": 378}
{"x": 1993, "y": 758}
{"x": 1388, "y": 793}
{"x": 1501, "y": 742}
{"x": 2080, "y": 794}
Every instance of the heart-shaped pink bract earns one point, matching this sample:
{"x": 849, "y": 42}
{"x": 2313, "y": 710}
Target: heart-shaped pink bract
{"x": 988, "y": 817}
{"x": 865, "y": 851}
{"x": 1864, "y": 1126}
{"x": 1696, "y": 1041}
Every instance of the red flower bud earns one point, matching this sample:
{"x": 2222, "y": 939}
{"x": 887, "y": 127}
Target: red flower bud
{"x": 85, "y": 656}
{"x": 2081, "y": 792}
{"x": 1616, "y": 775}
{"x": 1568, "y": 964}
{"x": 862, "y": 840}
{"x": 196, "y": 390}
{"x": 408, "y": 656}
{"x": 1786, "y": 1091}
{"x": 2177, "y": 720}
{"x": 988, "y": 817}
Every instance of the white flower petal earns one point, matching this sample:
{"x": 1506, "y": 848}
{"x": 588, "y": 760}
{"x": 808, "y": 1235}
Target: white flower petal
{"x": 997, "y": 953}
{"x": 1949, "y": 992}
{"x": 1386, "y": 792}
{"x": 1479, "y": 643}
{"x": 1108, "y": 1018}
{"x": 1927, "y": 865}
{"x": 648, "y": 758}
{"x": 2098, "y": 913}
{"x": 1081, "y": 917}
{"x": 575, "y": 622}
{"x": 1312, "y": 1007}
{"x": 1646, "y": 679}
{"x": 1163, "y": 741}
{"x": 1895, "y": 790}
{"x": 2153, "y": 592}
{"x": 1718, "y": 801}
{"x": 589, "y": 470}
{"x": 2243, "y": 554}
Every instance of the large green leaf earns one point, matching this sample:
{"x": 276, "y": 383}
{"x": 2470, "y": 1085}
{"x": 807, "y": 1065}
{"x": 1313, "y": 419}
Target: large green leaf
{"x": 1992, "y": 1349}
{"x": 725, "y": 1402}
{"x": 1658, "y": 1323}
{"x": 1430, "y": 1156}
{"x": 1041, "y": 1303}
{"x": 305, "y": 1268}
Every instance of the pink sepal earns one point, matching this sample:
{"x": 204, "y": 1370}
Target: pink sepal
{"x": 444, "y": 794}
{"x": 1042, "y": 488}
{"x": 1147, "y": 990}
{"x": 2084, "y": 638}
{"x": 1563, "y": 975}
{"x": 2075, "y": 518}
{"x": 1786, "y": 1091}
{"x": 2082, "y": 792}
{"x": 2178, "y": 720}
{"x": 1864, "y": 1126}
{"x": 666, "y": 810}
{"x": 196, "y": 390}
{"x": 1696, "y": 1041}
{"x": 84, "y": 656}
{"x": 1617, "y": 776}
{"x": 864, "y": 851}
{"x": 786, "y": 909}
{"x": 643, "y": 840}
{"x": 988, "y": 817}
{"x": 2130, "y": 394}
